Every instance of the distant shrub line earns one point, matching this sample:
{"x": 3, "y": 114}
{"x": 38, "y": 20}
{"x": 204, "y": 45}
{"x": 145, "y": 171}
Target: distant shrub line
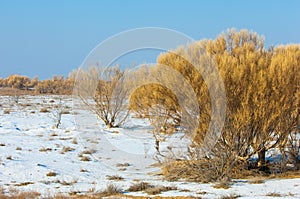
{"x": 57, "y": 85}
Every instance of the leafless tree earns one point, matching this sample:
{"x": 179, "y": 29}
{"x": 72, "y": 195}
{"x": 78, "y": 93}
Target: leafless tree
{"x": 103, "y": 90}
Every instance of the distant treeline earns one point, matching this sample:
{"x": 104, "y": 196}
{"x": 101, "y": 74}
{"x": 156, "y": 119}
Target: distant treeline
{"x": 56, "y": 85}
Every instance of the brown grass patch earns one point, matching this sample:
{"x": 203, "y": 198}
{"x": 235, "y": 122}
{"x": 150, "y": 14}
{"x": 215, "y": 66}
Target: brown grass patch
{"x": 44, "y": 110}
{"x": 141, "y": 186}
{"x": 23, "y": 184}
{"x": 231, "y": 196}
{"x": 159, "y": 189}
{"x": 286, "y": 175}
{"x": 43, "y": 149}
{"x": 9, "y": 157}
{"x": 85, "y": 158}
{"x": 5, "y": 91}
{"x": 51, "y": 174}
{"x": 87, "y": 152}
{"x": 111, "y": 189}
{"x": 6, "y": 111}
{"x": 123, "y": 164}
{"x": 222, "y": 185}
{"x": 66, "y": 149}
{"x": 256, "y": 181}
{"x": 65, "y": 112}
{"x": 74, "y": 141}
{"x": 274, "y": 194}
{"x": 115, "y": 177}
{"x": 83, "y": 170}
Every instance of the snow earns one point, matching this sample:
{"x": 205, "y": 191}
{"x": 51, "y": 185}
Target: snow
{"x": 30, "y": 148}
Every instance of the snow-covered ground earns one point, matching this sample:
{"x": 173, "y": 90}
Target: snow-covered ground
{"x": 82, "y": 153}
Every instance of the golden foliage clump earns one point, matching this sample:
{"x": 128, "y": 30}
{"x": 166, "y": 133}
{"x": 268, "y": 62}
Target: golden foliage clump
{"x": 262, "y": 95}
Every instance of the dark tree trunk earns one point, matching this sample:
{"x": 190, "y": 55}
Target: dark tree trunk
{"x": 262, "y": 158}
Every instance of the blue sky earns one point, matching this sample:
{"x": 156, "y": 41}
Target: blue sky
{"x": 46, "y": 38}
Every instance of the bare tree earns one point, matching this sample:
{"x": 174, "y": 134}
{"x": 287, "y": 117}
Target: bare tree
{"x": 57, "y": 113}
{"x": 104, "y": 91}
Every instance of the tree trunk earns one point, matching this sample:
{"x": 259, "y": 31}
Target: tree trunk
{"x": 261, "y": 157}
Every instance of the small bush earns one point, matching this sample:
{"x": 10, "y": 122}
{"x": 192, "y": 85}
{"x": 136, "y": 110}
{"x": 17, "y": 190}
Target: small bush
{"x": 18, "y": 148}
{"x": 111, "y": 189}
{"x": 141, "y": 186}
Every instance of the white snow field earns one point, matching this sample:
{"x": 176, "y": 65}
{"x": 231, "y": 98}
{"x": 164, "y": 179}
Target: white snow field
{"x": 81, "y": 154}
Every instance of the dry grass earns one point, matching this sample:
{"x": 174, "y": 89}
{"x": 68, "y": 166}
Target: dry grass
{"x": 43, "y": 149}
{"x": 9, "y": 157}
{"x": 12, "y": 92}
{"x": 23, "y": 184}
{"x": 74, "y": 141}
{"x": 200, "y": 171}
{"x": 25, "y": 105}
{"x": 85, "y": 158}
{"x": 111, "y": 189}
{"x": 123, "y": 164}
{"x": 6, "y": 111}
{"x": 44, "y": 110}
{"x": 53, "y": 134}
{"x": 274, "y": 194}
{"x": 51, "y": 174}
{"x": 66, "y": 149}
{"x": 67, "y": 183}
{"x": 87, "y": 152}
{"x": 115, "y": 177}
{"x": 222, "y": 185}
{"x": 256, "y": 181}
{"x": 141, "y": 186}
{"x": 159, "y": 189}
{"x": 83, "y": 170}
{"x": 149, "y": 189}
{"x": 286, "y": 175}
{"x": 65, "y": 112}
{"x": 231, "y": 196}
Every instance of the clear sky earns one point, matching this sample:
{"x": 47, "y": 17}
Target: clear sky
{"x": 47, "y": 37}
